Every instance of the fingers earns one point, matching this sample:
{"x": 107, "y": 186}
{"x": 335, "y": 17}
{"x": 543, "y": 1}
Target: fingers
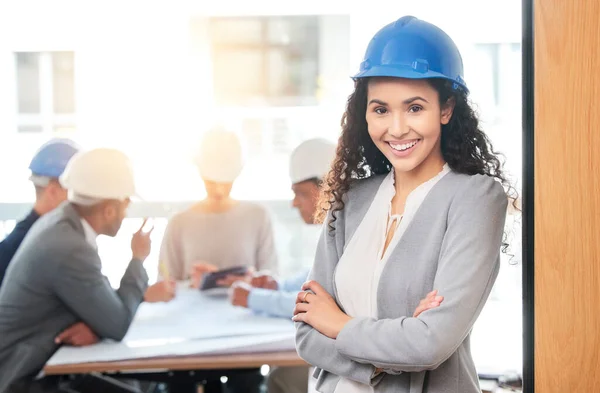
{"x": 263, "y": 281}
{"x": 162, "y": 291}
{"x": 78, "y": 340}
{"x": 78, "y": 334}
{"x": 435, "y": 301}
{"x": 418, "y": 311}
{"x": 63, "y": 337}
{"x": 257, "y": 281}
{"x": 315, "y": 287}
{"x": 170, "y": 289}
{"x": 66, "y": 334}
{"x": 301, "y": 307}
{"x": 73, "y": 341}
{"x": 143, "y": 223}
{"x": 424, "y": 307}
{"x": 202, "y": 267}
{"x": 301, "y": 317}
{"x": 428, "y": 303}
{"x": 169, "y": 283}
{"x": 304, "y": 297}
{"x": 83, "y": 338}
{"x": 141, "y": 230}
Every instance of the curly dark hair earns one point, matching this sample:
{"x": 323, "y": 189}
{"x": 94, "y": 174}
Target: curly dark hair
{"x": 465, "y": 147}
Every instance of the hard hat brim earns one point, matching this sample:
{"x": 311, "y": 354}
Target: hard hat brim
{"x": 403, "y": 72}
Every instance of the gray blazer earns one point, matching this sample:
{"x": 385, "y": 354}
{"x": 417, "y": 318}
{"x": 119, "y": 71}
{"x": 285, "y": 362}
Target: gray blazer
{"x": 53, "y": 281}
{"x": 452, "y": 245}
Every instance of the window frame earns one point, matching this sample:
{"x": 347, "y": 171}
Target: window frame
{"x": 47, "y": 120}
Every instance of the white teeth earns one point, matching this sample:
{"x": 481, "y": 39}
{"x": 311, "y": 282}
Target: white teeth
{"x": 404, "y": 146}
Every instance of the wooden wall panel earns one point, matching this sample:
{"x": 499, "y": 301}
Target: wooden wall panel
{"x": 567, "y": 195}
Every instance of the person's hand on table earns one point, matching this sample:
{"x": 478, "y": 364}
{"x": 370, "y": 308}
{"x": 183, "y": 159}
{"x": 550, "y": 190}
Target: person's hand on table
{"x": 162, "y": 291}
{"x": 265, "y": 281}
{"x": 239, "y": 293}
{"x": 77, "y": 335}
{"x": 199, "y": 269}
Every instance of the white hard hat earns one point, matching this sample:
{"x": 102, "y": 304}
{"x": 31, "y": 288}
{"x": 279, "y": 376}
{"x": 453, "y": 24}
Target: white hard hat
{"x": 311, "y": 159}
{"x": 99, "y": 174}
{"x": 220, "y": 158}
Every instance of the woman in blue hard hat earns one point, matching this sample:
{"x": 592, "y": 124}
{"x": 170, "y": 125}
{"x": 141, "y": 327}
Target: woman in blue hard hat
{"x": 415, "y": 205}
{"x": 46, "y": 166}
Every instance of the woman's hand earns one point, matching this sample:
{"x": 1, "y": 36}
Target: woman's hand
{"x": 318, "y": 309}
{"x": 265, "y": 281}
{"x": 199, "y": 269}
{"x": 430, "y": 301}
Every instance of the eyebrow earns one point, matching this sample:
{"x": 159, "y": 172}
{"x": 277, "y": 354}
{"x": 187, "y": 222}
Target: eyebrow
{"x": 413, "y": 99}
{"x": 406, "y": 102}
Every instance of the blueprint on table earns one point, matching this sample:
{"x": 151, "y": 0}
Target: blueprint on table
{"x": 192, "y": 324}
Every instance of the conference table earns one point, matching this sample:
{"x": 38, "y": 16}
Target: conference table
{"x": 197, "y": 338}
{"x": 200, "y": 337}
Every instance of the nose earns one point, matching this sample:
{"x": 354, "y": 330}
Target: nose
{"x": 398, "y": 126}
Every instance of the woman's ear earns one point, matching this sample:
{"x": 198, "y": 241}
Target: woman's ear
{"x": 448, "y": 110}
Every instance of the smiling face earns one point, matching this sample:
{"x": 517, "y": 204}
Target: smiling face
{"x": 405, "y": 119}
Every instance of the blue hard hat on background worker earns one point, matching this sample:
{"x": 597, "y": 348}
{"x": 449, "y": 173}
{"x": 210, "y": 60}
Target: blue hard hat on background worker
{"x": 52, "y": 158}
{"x": 47, "y": 165}
{"x": 413, "y": 49}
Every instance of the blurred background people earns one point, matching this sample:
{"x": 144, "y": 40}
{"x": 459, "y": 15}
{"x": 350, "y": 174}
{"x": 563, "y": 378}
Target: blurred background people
{"x": 46, "y": 166}
{"x": 309, "y": 164}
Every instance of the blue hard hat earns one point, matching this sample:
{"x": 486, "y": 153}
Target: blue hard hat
{"x": 414, "y": 49}
{"x": 51, "y": 159}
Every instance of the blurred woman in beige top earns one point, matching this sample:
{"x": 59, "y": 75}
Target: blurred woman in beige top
{"x": 218, "y": 232}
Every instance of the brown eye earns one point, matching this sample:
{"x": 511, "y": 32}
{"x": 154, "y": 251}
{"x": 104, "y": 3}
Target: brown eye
{"x": 415, "y": 109}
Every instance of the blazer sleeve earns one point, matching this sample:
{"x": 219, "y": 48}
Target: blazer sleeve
{"x": 79, "y": 283}
{"x": 468, "y": 266}
{"x": 314, "y": 347}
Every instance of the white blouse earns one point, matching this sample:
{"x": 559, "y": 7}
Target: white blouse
{"x": 363, "y": 256}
